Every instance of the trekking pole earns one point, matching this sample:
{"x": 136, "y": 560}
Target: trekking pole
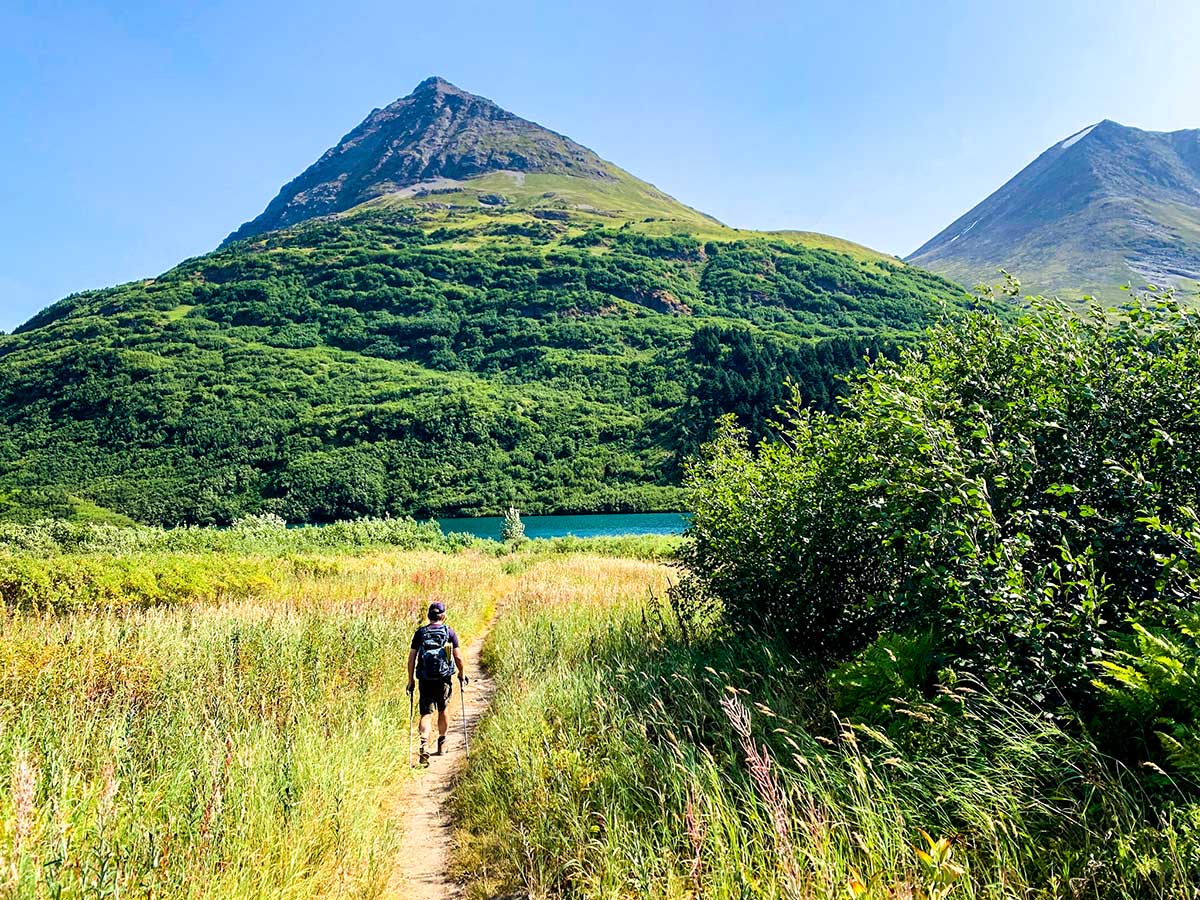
{"x": 462, "y": 697}
{"x": 408, "y": 759}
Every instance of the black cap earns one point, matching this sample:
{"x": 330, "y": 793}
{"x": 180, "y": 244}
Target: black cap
{"x": 437, "y": 609}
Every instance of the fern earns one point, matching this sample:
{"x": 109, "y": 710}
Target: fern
{"x": 1156, "y": 681}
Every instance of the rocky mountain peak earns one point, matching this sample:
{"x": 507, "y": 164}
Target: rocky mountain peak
{"x": 438, "y": 132}
{"x": 437, "y": 85}
{"x": 1105, "y": 206}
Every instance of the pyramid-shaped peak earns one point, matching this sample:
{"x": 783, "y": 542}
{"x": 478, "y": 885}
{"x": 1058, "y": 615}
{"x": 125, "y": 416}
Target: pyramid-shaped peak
{"x": 438, "y": 132}
{"x": 436, "y": 84}
{"x": 435, "y": 92}
{"x": 1108, "y": 205}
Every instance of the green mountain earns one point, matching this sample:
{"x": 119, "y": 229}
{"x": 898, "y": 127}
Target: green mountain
{"x": 451, "y": 311}
{"x": 1107, "y": 206}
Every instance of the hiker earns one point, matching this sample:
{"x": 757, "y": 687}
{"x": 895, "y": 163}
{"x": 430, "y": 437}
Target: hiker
{"x": 433, "y": 661}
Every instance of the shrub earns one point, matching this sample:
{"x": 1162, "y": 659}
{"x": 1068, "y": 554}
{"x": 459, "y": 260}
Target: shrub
{"x": 896, "y": 670}
{"x": 995, "y": 488}
{"x": 513, "y": 529}
{"x": 71, "y": 582}
{"x": 258, "y": 534}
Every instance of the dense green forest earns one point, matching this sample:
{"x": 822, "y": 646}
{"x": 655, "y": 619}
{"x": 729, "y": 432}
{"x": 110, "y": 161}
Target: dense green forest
{"x": 388, "y": 364}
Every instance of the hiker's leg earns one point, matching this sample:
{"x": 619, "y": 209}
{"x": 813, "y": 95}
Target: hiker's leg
{"x": 428, "y": 702}
{"x": 426, "y": 721}
{"x": 443, "y": 721}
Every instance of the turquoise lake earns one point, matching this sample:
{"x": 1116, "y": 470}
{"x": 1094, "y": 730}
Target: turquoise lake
{"x": 597, "y": 525}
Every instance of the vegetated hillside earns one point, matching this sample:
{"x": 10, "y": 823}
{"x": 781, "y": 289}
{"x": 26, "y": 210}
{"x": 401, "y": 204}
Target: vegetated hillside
{"x": 553, "y": 341}
{"x": 1108, "y": 206}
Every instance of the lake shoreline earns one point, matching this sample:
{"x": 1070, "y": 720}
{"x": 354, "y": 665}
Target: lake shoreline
{"x": 586, "y": 525}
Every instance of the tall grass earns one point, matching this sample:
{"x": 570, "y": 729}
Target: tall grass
{"x": 235, "y": 746}
{"x": 63, "y": 566}
{"x": 620, "y": 761}
{"x": 253, "y": 535}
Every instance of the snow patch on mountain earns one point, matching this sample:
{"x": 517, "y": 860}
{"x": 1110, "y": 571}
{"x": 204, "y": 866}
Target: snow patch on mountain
{"x": 964, "y": 231}
{"x": 1076, "y": 138}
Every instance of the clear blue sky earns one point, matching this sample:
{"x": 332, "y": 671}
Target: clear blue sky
{"x": 140, "y": 132}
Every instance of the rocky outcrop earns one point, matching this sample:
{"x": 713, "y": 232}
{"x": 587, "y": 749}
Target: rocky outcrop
{"x": 665, "y": 301}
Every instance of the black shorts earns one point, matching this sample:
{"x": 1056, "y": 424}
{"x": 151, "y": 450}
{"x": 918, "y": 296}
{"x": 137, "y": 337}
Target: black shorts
{"x": 434, "y": 694}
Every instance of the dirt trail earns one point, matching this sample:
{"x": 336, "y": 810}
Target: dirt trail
{"x": 428, "y": 837}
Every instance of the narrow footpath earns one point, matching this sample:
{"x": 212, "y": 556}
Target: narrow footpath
{"x": 428, "y": 835}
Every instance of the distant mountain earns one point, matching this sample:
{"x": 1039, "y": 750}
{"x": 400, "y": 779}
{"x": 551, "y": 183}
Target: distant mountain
{"x": 1107, "y": 206}
{"x": 452, "y": 311}
{"x": 434, "y": 140}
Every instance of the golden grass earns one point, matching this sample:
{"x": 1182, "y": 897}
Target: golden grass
{"x": 247, "y": 747}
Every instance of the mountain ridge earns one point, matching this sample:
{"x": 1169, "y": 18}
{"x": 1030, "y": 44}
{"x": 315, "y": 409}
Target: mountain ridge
{"x": 1106, "y": 206}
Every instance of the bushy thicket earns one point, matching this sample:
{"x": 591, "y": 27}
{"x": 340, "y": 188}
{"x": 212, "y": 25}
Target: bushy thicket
{"x": 1150, "y": 687}
{"x": 128, "y": 581}
{"x": 259, "y": 535}
{"x": 912, "y": 640}
{"x": 1011, "y": 492}
{"x": 69, "y": 566}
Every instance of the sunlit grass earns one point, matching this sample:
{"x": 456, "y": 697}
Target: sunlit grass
{"x": 620, "y": 762}
{"x": 255, "y": 746}
{"x": 250, "y": 746}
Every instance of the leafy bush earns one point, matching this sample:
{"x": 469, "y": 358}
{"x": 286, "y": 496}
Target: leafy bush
{"x": 63, "y": 583}
{"x": 31, "y": 505}
{"x": 995, "y": 487}
{"x": 896, "y": 670}
{"x": 257, "y": 534}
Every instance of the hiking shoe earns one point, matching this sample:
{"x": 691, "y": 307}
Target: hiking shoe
{"x": 441, "y": 745}
{"x": 423, "y": 755}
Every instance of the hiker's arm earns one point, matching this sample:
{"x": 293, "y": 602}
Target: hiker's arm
{"x": 459, "y": 664}
{"x": 412, "y": 669}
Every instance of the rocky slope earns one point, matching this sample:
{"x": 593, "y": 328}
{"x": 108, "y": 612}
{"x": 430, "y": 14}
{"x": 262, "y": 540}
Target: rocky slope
{"x": 1107, "y": 206}
{"x": 436, "y": 137}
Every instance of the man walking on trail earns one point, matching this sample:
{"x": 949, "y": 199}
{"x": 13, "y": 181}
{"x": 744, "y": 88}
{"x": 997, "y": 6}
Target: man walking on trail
{"x": 432, "y": 662}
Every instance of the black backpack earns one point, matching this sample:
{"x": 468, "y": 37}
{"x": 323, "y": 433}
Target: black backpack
{"x": 434, "y": 662}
